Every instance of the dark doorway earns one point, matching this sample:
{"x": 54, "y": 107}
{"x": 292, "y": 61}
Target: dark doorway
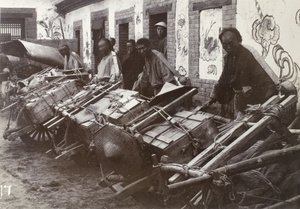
{"x": 123, "y": 38}
{"x": 152, "y": 29}
{"x": 77, "y": 35}
{"x": 98, "y": 32}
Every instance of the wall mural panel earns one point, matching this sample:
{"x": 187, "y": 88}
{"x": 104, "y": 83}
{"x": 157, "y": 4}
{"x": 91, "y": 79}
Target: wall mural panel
{"x": 210, "y": 62}
{"x": 275, "y": 32}
{"x": 50, "y": 25}
{"x": 138, "y": 19}
{"x": 289, "y": 70}
{"x": 182, "y": 37}
{"x": 265, "y": 31}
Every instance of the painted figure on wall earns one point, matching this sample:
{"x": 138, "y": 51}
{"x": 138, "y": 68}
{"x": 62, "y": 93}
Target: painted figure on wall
{"x": 210, "y": 60}
{"x": 51, "y": 24}
{"x": 182, "y": 47}
{"x": 265, "y": 31}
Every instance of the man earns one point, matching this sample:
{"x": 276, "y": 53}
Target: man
{"x": 112, "y": 42}
{"x": 132, "y": 65}
{"x": 72, "y": 60}
{"x": 109, "y": 67}
{"x": 242, "y": 76}
{"x": 161, "y": 30}
{"x": 7, "y": 74}
{"x": 5, "y": 64}
{"x": 157, "y": 71}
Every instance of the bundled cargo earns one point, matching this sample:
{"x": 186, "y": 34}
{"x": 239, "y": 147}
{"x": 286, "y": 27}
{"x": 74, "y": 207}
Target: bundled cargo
{"x": 212, "y": 158}
{"x": 159, "y": 145}
{"x": 37, "y": 107}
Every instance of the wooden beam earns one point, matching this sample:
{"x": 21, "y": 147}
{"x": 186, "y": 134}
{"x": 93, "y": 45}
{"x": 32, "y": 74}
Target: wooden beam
{"x": 16, "y": 15}
{"x": 211, "y": 4}
{"x": 124, "y": 20}
{"x": 159, "y": 10}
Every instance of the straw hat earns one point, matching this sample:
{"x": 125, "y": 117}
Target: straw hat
{"x": 162, "y": 24}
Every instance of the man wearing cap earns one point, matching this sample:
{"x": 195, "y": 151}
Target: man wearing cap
{"x": 161, "y": 29}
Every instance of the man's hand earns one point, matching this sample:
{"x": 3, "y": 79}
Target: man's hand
{"x": 207, "y": 104}
{"x": 95, "y": 80}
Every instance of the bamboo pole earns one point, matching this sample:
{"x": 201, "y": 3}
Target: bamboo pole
{"x": 290, "y": 203}
{"x": 233, "y": 169}
{"x": 236, "y": 129}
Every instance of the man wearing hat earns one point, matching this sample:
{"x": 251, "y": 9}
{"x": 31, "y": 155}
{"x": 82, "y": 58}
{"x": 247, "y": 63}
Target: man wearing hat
{"x": 161, "y": 29}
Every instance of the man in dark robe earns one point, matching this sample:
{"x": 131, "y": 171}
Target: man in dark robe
{"x": 242, "y": 77}
{"x": 132, "y": 65}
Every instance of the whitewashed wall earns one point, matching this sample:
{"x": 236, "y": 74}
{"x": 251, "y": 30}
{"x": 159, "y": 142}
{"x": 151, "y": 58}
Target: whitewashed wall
{"x": 273, "y": 28}
{"x": 45, "y": 10}
{"x": 182, "y": 37}
{"x": 138, "y": 19}
{"x": 84, "y": 14}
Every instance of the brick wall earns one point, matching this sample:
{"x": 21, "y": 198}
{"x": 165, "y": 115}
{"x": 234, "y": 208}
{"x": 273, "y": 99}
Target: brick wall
{"x": 229, "y": 19}
{"x": 124, "y": 17}
{"x": 152, "y": 7}
{"x": 29, "y": 16}
{"x": 30, "y": 24}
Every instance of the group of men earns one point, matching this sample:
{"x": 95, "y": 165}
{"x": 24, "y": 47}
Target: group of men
{"x": 146, "y": 70}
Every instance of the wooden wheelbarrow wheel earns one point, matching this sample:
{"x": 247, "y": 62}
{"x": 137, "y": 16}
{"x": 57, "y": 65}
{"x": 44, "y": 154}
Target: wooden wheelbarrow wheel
{"x": 41, "y": 137}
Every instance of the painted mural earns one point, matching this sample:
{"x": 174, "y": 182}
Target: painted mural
{"x": 182, "y": 37}
{"x": 265, "y": 31}
{"x": 274, "y": 31}
{"x": 50, "y": 25}
{"x": 210, "y": 63}
{"x": 138, "y": 19}
{"x": 289, "y": 70}
{"x": 297, "y": 17}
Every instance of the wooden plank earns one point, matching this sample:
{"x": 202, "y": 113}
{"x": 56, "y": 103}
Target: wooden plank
{"x": 173, "y": 133}
{"x": 166, "y": 139}
{"x": 124, "y": 20}
{"x": 236, "y": 130}
{"x": 161, "y": 128}
{"x": 247, "y": 139}
{"x": 191, "y": 124}
{"x": 129, "y": 105}
{"x": 211, "y": 4}
{"x": 199, "y": 116}
{"x": 184, "y": 114}
{"x": 152, "y": 134}
{"x": 147, "y": 139}
{"x": 159, "y": 9}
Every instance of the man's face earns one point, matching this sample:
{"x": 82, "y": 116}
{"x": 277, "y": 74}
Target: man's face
{"x": 64, "y": 51}
{"x": 161, "y": 32}
{"x": 143, "y": 50}
{"x": 230, "y": 42}
{"x": 103, "y": 47}
{"x": 129, "y": 47}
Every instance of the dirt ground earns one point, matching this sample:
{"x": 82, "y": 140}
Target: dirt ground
{"x": 29, "y": 178}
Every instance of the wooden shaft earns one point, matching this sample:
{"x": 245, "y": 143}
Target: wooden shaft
{"x": 290, "y": 203}
{"x": 144, "y": 123}
{"x": 246, "y": 165}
